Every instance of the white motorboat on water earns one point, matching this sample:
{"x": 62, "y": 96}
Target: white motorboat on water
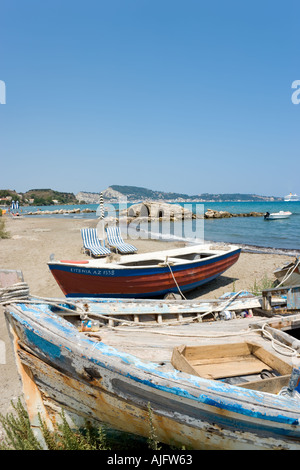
{"x": 277, "y": 215}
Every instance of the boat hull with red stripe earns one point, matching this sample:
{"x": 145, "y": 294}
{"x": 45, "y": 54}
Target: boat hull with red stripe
{"x": 145, "y": 275}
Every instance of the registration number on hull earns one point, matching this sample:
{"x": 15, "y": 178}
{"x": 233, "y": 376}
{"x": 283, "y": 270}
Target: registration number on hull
{"x": 93, "y": 272}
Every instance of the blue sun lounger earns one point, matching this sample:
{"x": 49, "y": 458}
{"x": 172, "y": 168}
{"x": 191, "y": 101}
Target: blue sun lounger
{"x": 92, "y": 243}
{"x": 115, "y": 240}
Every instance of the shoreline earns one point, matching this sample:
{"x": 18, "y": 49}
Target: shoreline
{"x": 32, "y": 241}
{"x": 246, "y": 248}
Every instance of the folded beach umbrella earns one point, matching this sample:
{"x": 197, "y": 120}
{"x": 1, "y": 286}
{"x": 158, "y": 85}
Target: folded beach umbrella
{"x": 13, "y": 205}
{"x": 17, "y": 205}
{"x": 101, "y": 204}
{"x": 101, "y": 222}
{"x": 100, "y": 212}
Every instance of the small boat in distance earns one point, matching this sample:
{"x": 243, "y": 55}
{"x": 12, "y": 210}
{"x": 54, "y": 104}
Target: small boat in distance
{"x": 144, "y": 275}
{"x": 291, "y": 198}
{"x": 277, "y": 215}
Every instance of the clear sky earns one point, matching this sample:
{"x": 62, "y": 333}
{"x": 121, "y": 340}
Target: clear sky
{"x": 187, "y": 96}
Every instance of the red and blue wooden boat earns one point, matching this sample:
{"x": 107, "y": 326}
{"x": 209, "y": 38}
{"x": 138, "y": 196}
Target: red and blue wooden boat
{"x": 144, "y": 275}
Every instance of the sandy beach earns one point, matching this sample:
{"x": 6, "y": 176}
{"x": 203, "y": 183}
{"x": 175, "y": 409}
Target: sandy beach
{"x": 33, "y": 240}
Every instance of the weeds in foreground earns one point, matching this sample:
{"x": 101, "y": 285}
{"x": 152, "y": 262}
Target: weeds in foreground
{"x": 3, "y": 232}
{"x": 264, "y": 283}
{"x": 20, "y": 436}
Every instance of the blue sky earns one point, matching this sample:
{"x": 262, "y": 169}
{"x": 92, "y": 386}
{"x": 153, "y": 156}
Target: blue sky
{"x": 185, "y": 96}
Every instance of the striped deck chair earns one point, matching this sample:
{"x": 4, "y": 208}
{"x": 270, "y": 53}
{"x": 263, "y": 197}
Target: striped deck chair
{"x": 92, "y": 243}
{"x": 115, "y": 240}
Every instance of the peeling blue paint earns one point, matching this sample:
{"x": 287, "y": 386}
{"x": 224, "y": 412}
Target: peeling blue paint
{"x": 223, "y": 396}
{"x": 49, "y": 349}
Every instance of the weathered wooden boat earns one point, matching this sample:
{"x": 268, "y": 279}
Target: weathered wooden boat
{"x": 289, "y": 274}
{"x": 144, "y": 275}
{"x": 161, "y": 311}
{"x": 114, "y": 374}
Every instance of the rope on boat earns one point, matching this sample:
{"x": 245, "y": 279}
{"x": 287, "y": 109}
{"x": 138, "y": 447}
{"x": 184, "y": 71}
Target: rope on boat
{"x": 193, "y": 335}
{"x": 20, "y": 291}
{"x": 288, "y": 274}
{"x": 167, "y": 263}
{"x": 16, "y": 292}
{"x": 291, "y": 351}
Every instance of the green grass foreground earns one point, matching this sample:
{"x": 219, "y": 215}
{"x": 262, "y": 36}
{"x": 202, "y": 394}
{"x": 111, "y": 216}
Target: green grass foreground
{"x": 3, "y": 232}
{"x": 20, "y": 436}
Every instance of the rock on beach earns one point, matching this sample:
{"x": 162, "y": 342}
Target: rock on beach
{"x": 154, "y": 210}
{"x": 213, "y": 214}
{"x": 59, "y": 211}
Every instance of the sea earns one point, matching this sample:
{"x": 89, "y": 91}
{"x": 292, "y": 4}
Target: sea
{"x": 251, "y": 233}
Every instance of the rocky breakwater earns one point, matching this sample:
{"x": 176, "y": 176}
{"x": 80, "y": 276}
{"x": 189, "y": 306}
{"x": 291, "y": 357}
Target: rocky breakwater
{"x": 58, "y": 211}
{"x": 213, "y": 214}
{"x": 150, "y": 210}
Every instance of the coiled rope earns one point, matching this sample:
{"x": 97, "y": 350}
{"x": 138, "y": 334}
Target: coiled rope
{"x": 20, "y": 292}
{"x": 16, "y": 292}
{"x": 290, "y": 351}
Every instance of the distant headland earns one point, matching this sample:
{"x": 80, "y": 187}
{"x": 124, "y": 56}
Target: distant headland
{"x": 137, "y": 194}
{"x": 114, "y": 193}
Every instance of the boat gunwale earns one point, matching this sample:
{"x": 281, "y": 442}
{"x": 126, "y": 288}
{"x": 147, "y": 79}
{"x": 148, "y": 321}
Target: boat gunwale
{"x": 239, "y": 400}
{"x": 174, "y": 263}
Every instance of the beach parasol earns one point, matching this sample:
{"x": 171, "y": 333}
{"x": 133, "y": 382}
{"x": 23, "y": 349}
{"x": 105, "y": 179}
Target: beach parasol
{"x": 100, "y": 212}
{"x": 101, "y": 206}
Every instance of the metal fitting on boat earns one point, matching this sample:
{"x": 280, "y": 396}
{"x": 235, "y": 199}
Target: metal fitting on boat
{"x": 293, "y": 388}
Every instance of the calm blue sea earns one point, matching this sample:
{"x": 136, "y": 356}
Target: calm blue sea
{"x": 249, "y": 232}
{"x": 255, "y": 231}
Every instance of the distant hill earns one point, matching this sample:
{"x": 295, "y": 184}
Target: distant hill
{"x": 138, "y": 193}
{"x": 135, "y": 192}
{"x": 45, "y": 197}
{"x": 49, "y": 196}
{"x": 37, "y": 197}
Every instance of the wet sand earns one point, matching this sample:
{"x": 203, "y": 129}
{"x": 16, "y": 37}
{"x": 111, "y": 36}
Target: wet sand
{"x": 32, "y": 241}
